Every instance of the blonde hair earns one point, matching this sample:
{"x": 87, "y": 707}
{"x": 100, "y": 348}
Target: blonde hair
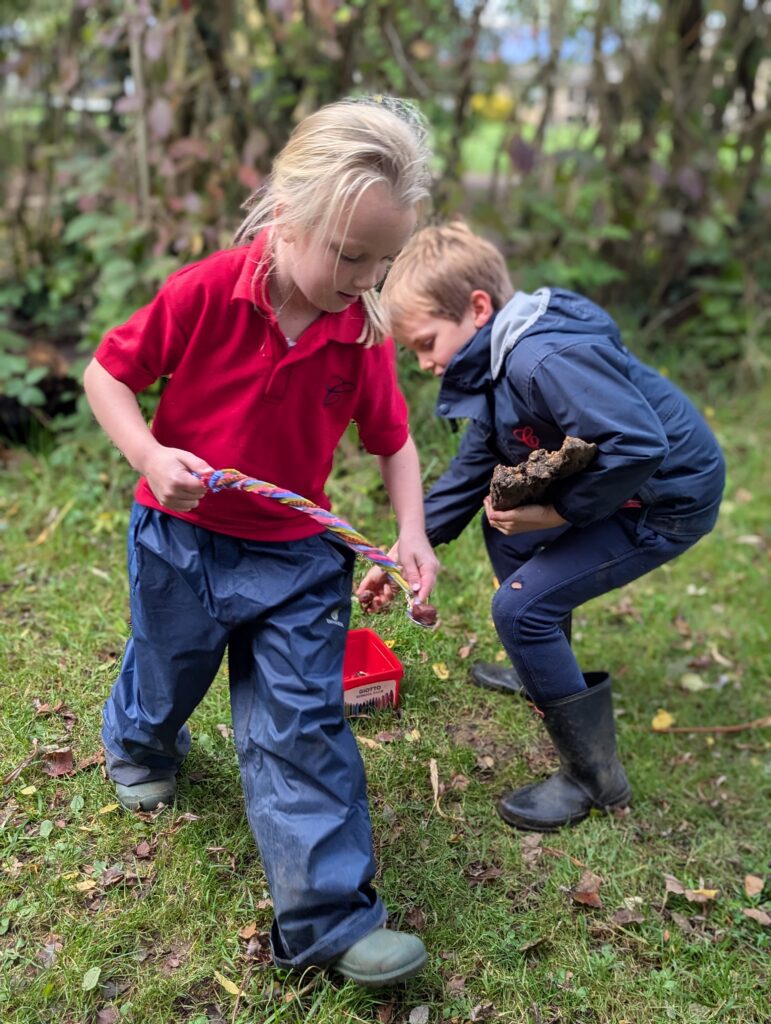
{"x": 332, "y": 157}
{"x": 439, "y": 268}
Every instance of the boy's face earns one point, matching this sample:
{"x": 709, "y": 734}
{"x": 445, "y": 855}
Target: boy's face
{"x": 435, "y": 339}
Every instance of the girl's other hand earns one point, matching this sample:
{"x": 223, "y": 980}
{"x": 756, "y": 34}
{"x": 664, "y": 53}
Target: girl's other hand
{"x": 169, "y": 473}
{"x": 375, "y": 592}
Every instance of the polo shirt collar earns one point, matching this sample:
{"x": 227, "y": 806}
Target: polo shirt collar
{"x": 345, "y": 327}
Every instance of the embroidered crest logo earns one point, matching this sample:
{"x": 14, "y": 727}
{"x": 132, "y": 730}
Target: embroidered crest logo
{"x": 526, "y": 436}
{"x": 336, "y": 389}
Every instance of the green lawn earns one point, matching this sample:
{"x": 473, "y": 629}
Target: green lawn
{"x": 108, "y": 917}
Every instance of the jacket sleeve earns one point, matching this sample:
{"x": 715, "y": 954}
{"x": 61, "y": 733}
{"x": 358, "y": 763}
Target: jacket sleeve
{"x": 588, "y": 394}
{"x": 458, "y": 494}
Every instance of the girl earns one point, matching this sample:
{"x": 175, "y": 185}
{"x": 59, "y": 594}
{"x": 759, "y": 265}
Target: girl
{"x": 271, "y": 348}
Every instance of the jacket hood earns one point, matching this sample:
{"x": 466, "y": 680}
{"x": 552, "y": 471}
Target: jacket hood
{"x": 545, "y": 310}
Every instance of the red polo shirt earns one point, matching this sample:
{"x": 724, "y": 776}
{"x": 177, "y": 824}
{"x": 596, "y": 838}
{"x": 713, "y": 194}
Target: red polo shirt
{"x": 238, "y": 396}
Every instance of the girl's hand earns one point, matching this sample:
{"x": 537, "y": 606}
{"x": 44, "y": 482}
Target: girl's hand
{"x": 523, "y": 519}
{"x": 169, "y": 473}
{"x": 420, "y": 567}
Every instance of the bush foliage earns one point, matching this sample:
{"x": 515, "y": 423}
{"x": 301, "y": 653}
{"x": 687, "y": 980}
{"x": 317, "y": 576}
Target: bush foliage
{"x": 135, "y": 131}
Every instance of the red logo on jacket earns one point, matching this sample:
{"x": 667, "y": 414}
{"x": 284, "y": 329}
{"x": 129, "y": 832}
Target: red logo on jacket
{"x": 526, "y": 436}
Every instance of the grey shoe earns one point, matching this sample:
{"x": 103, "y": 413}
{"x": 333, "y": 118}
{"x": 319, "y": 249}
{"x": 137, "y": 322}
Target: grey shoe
{"x": 382, "y": 958}
{"x": 502, "y": 678}
{"x": 146, "y": 796}
{"x": 495, "y": 677}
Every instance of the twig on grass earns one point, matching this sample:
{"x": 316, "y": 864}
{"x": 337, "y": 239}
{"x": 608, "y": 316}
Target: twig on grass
{"x": 12, "y": 776}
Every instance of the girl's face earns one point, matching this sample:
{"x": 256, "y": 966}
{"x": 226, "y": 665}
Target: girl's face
{"x": 331, "y": 273}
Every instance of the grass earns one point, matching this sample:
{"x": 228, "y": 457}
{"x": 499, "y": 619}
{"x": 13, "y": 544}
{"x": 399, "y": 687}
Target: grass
{"x": 108, "y": 917}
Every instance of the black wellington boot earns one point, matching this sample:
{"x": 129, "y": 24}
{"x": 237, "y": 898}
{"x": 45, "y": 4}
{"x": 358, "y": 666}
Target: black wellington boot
{"x": 582, "y": 729}
{"x": 504, "y": 678}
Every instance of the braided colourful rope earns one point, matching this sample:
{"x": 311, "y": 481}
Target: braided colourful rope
{"x": 231, "y": 479}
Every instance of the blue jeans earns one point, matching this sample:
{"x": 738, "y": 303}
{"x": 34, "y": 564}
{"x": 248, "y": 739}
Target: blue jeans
{"x": 281, "y": 610}
{"x": 545, "y": 574}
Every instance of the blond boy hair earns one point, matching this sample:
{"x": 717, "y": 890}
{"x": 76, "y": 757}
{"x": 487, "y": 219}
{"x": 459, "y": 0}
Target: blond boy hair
{"x": 437, "y": 271}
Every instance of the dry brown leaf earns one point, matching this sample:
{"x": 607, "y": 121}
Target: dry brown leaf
{"x": 587, "y": 891}
{"x": 674, "y": 885}
{"x": 58, "y": 762}
{"x": 627, "y": 916}
{"x": 753, "y": 885}
{"x": 248, "y": 931}
{"x": 757, "y": 915}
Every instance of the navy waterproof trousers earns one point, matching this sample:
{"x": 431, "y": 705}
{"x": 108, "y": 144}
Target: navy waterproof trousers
{"x": 544, "y": 575}
{"x": 281, "y": 610}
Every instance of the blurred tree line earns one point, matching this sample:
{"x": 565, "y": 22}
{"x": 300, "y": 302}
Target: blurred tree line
{"x": 618, "y": 148}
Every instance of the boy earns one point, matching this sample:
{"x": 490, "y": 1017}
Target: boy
{"x": 526, "y": 371}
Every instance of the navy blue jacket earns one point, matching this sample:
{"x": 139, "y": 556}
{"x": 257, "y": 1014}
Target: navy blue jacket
{"x": 552, "y": 364}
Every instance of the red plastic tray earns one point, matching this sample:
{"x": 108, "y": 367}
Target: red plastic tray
{"x": 371, "y": 673}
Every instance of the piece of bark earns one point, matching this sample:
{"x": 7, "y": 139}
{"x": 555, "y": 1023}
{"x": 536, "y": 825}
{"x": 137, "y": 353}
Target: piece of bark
{"x": 528, "y": 482}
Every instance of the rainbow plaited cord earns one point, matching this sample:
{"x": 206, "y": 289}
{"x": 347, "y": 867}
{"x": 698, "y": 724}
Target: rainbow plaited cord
{"x": 231, "y": 479}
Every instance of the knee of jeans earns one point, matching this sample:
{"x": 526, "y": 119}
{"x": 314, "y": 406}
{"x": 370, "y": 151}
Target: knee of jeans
{"x": 507, "y": 609}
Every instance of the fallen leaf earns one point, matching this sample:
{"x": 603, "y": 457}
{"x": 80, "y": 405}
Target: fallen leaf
{"x": 673, "y": 885}
{"x": 416, "y": 919}
{"x": 500, "y": 656}
{"x": 531, "y": 849}
{"x": 248, "y": 931}
{"x": 91, "y": 979}
{"x": 367, "y": 742}
{"x": 753, "y": 885}
{"x": 718, "y": 657}
{"x": 58, "y": 762}
{"x": 419, "y": 1015}
{"x": 682, "y": 922}
{"x": 681, "y": 625}
{"x": 757, "y": 915}
{"x": 109, "y": 1015}
{"x": 627, "y": 916}
{"x": 385, "y": 1013}
{"x": 456, "y": 985}
{"x": 693, "y": 683}
{"x": 700, "y": 895}
{"x": 228, "y": 985}
{"x": 662, "y": 720}
{"x": 477, "y": 873}
{"x": 108, "y": 808}
{"x": 440, "y": 670}
{"x": 587, "y": 891}
{"x": 390, "y": 644}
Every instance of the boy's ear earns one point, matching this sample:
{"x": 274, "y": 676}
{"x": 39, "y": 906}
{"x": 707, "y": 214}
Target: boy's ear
{"x": 481, "y": 307}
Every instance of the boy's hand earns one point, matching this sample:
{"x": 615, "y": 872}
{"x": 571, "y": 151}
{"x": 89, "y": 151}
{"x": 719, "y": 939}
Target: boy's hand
{"x": 169, "y": 473}
{"x": 523, "y": 519}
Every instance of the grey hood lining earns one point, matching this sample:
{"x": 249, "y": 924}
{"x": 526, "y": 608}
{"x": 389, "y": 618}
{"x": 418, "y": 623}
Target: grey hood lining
{"x": 516, "y": 317}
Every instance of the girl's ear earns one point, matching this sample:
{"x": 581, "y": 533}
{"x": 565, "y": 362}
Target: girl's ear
{"x": 282, "y": 229}
{"x": 481, "y": 307}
